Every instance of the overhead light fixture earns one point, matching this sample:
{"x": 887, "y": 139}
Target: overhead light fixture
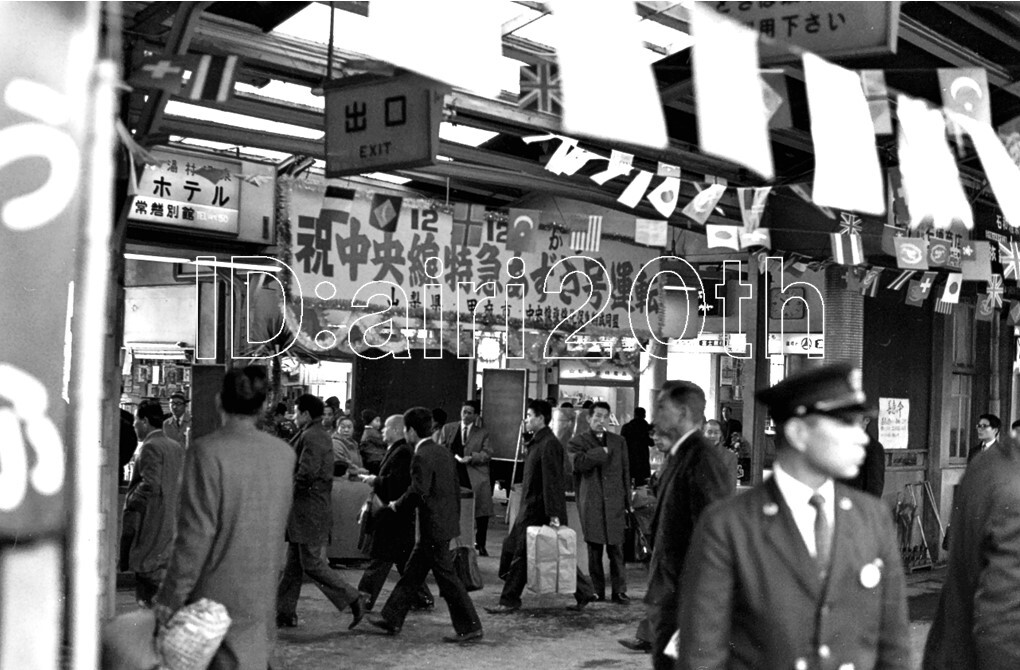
{"x": 466, "y": 135}
{"x": 202, "y": 263}
{"x": 384, "y": 176}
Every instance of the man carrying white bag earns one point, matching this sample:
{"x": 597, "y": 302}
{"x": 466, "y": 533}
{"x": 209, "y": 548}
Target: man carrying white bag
{"x": 543, "y": 504}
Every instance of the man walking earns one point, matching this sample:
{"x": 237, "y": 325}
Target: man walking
{"x": 435, "y": 493}
{"x": 799, "y": 572}
{"x": 233, "y": 509}
{"x": 392, "y": 532}
{"x": 694, "y": 476}
{"x": 638, "y": 434}
{"x": 602, "y": 481}
{"x": 310, "y": 520}
{"x": 469, "y": 443}
{"x": 543, "y": 502}
{"x": 151, "y": 500}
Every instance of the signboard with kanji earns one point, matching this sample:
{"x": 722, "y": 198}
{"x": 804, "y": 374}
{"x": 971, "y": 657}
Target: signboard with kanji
{"x": 893, "y": 422}
{"x": 189, "y": 192}
{"x": 382, "y": 125}
{"x": 829, "y": 29}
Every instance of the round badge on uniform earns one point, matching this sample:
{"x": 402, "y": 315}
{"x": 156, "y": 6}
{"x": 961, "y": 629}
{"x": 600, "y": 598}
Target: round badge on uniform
{"x": 770, "y": 509}
{"x": 846, "y": 504}
{"x": 870, "y": 576}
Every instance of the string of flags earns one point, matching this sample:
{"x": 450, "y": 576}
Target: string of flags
{"x": 210, "y": 78}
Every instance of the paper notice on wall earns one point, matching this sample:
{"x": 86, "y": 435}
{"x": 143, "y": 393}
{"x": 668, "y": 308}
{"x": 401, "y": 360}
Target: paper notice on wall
{"x": 893, "y": 419}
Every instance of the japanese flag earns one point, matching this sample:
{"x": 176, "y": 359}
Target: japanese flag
{"x": 951, "y": 293}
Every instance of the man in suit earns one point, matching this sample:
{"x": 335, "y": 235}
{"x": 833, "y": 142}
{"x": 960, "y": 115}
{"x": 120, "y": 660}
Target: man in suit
{"x": 543, "y": 502}
{"x": 178, "y": 425}
{"x": 713, "y": 432}
{"x": 638, "y": 434}
{"x": 151, "y": 502}
{"x": 602, "y": 482}
{"x": 469, "y": 443}
{"x": 392, "y": 533}
{"x": 311, "y": 519}
{"x": 435, "y": 493}
{"x": 978, "y": 616}
{"x": 693, "y": 476}
{"x": 233, "y": 509}
{"x": 801, "y": 571}
{"x": 988, "y": 427}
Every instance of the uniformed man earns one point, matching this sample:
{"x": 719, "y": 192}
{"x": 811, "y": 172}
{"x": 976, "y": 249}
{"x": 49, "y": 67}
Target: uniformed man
{"x": 800, "y": 572}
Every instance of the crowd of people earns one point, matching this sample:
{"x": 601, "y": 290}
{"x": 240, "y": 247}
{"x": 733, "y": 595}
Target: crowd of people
{"x": 800, "y": 571}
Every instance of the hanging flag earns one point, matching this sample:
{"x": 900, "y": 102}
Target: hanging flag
{"x": 1014, "y": 313}
{"x": 951, "y": 292}
{"x": 590, "y": 238}
{"x": 911, "y": 253}
{"x": 620, "y": 164}
{"x": 869, "y": 285}
{"x": 897, "y": 213}
{"x": 632, "y": 195}
{"x": 558, "y": 161}
{"x": 161, "y": 72}
{"x": 877, "y": 95}
{"x": 776, "y": 98}
{"x": 576, "y": 159}
{"x": 1001, "y": 170}
{"x": 701, "y": 206}
{"x": 664, "y": 196}
{"x": 732, "y": 120}
{"x": 213, "y": 78}
{"x": 540, "y": 88}
{"x": 468, "y": 222}
{"x": 667, "y": 170}
{"x": 752, "y": 205}
{"x": 849, "y": 223}
{"x": 847, "y": 172}
{"x": 385, "y": 212}
{"x": 995, "y": 290}
{"x": 847, "y": 249}
{"x": 853, "y": 278}
{"x": 759, "y": 237}
{"x": 650, "y": 232}
{"x": 902, "y": 279}
{"x": 984, "y": 308}
{"x": 930, "y": 177}
{"x": 722, "y": 236}
{"x": 915, "y": 294}
{"x": 965, "y": 91}
{"x": 977, "y": 261}
{"x": 336, "y": 199}
{"x": 955, "y": 261}
{"x": 522, "y": 232}
{"x": 593, "y": 39}
{"x": 927, "y": 282}
{"x": 943, "y": 307}
{"x": 938, "y": 252}
{"x": 1009, "y": 257}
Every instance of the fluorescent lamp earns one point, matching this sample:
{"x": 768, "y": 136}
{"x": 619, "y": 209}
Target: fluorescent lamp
{"x": 188, "y": 111}
{"x": 383, "y": 176}
{"x": 466, "y": 135}
{"x": 202, "y": 263}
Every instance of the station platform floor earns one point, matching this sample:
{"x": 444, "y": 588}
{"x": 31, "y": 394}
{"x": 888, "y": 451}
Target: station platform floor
{"x": 543, "y": 634}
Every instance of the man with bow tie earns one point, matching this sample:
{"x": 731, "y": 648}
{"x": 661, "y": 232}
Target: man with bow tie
{"x": 802, "y": 571}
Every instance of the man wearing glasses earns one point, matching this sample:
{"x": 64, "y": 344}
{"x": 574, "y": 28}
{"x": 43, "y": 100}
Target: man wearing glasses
{"x": 178, "y": 425}
{"x": 802, "y": 571}
{"x": 988, "y": 426}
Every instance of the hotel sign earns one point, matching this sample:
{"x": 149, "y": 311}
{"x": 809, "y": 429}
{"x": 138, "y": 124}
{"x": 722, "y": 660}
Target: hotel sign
{"x": 189, "y": 192}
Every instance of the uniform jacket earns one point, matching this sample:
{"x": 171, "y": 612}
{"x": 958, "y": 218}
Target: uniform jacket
{"x": 479, "y": 451}
{"x": 310, "y": 517}
{"x": 434, "y": 491}
{"x": 393, "y": 532}
{"x": 978, "y": 618}
{"x": 602, "y": 483}
{"x": 691, "y": 479}
{"x": 753, "y": 597}
{"x": 233, "y": 511}
{"x": 152, "y": 493}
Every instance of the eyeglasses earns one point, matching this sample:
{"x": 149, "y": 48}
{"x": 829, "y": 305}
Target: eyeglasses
{"x": 984, "y": 425}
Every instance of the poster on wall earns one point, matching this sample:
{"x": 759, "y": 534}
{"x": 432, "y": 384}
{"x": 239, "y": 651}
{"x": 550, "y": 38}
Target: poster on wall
{"x": 893, "y": 420}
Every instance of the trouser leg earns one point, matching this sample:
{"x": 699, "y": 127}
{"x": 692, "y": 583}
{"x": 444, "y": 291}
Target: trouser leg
{"x": 481, "y": 531}
{"x": 662, "y": 622}
{"x": 289, "y": 589}
{"x": 462, "y": 609}
{"x": 584, "y": 592}
{"x": 424, "y": 594}
{"x": 516, "y": 579}
{"x": 373, "y": 579}
{"x": 339, "y": 592}
{"x": 595, "y": 569}
{"x": 617, "y": 571}
{"x": 415, "y": 572}
{"x": 147, "y": 585}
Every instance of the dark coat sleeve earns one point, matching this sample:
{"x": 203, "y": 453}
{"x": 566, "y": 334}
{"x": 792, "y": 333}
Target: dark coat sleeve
{"x": 586, "y": 454}
{"x": 553, "y": 483}
{"x": 392, "y": 483}
{"x": 421, "y": 478}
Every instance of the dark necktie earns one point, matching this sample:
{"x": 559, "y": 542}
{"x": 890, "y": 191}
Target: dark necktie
{"x": 823, "y": 533}
{"x": 463, "y": 437}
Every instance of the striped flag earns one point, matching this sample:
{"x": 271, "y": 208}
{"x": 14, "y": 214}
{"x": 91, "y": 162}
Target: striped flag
{"x": 336, "y": 199}
{"x": 869, "y": 285}
{"x": 943, "y": 307}
{"x": 589, "y": 239}
{"x": 847, "y": 249}
{"x": 899, "y": 282}
{"x": 213, "y": 78}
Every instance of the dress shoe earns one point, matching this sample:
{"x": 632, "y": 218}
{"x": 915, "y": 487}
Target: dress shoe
{"x": 424, "y": 605}
{"x": 502, "y": 609}
{"x": 482, "y": 552}
{"x": 581, "y": 604}
{"x": 635, "y": 644}
{"x": 382, "y": 623}
{"x": 366, "y": 599}
{"x": 286, "y": 620}
{"x": 358, "y": 610}
{"x": 461, "y": 638}
{"x": 621, "y": 599}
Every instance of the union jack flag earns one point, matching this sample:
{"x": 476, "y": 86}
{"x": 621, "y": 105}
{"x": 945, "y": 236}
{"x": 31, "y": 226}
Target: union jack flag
{"x": 995, "y": 291}
{"x": 849, "y": 224}
{"x": 1010, "y": 259}
{"x": 540, "y": 89}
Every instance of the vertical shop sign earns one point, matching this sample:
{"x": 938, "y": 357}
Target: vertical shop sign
{"x": 382, "y": 125}
{"x": 893, "y": 421}
{"x": 45, "y": 75}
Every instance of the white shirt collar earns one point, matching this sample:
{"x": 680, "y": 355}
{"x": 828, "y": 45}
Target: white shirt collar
{"x": 418, "y": 443}
{"x": 797, "y": 494}
{"x": 676, "y": 445}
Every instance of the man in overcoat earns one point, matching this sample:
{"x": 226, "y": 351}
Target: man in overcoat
{"x": 435, "y": 493}
{"x": 543, "y": 502}
{"x": 233, "y": 511}
{"x": 801, "y": 571}
{"x": 602, "y": 482}
{"x": 392, "y": 532}
{"x": 978, "y": 618}
{"x": 469, "y": 444}
{"x": 311, "y": 519}
{"x": 152, "y": 500}
{"x": 694, "y": 475}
